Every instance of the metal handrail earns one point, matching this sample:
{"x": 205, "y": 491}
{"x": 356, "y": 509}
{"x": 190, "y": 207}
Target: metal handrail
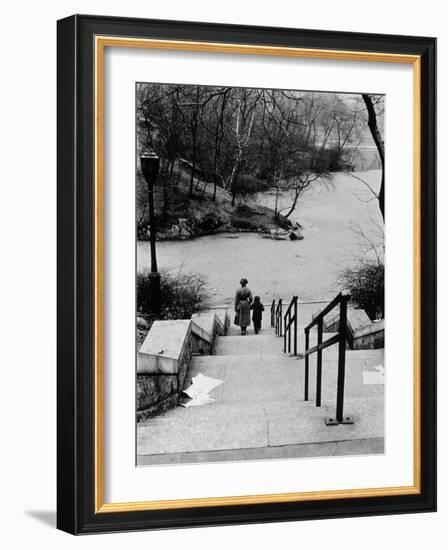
{"x": 290, "y": 320}
{"x": 278, "y": 318}
{"x": 340, "y": 338}
{"x": 328, "y": 308}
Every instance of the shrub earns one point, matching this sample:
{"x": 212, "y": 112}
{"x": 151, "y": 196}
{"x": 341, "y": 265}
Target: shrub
{"x": 246, "y": 185}
{"x": 330, "y": 159}
{"x": 366, "y": 286}
{"x": 181, "y": 294}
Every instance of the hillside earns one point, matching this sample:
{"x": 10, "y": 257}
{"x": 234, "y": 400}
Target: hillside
{"x": 182, "y": 217}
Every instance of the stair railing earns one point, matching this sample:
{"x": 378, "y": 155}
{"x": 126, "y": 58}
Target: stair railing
{"x": 340, "y": 338}
{"x": 290, "y": 324}
{"x": 279, "y": 318}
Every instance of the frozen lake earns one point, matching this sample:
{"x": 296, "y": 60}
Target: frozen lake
{"x": 330, "y": 218}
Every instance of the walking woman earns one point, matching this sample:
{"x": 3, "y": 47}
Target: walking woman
{"x": 243, "y": 299}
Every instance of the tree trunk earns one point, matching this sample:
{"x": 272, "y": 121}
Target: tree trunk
{"x": 193, "y": 170}
{"x": 214, "y": 190}
{"x": 377, "y": 138}
{"x": 165, "y": 191}
{"x": 294, "y": 204}
{"x": 276, "y": 202}
{"x": 233, "y": 188}
{"x": 233, "y": 198}
{"x": 214, "y": 177}
{"x": 194, "y": 128}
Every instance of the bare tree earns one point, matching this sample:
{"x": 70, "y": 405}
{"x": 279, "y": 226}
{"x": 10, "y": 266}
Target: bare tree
{"x": 245, "y": 101}
{"x": 246, "y": 139}
{"x": 370, "y": 102}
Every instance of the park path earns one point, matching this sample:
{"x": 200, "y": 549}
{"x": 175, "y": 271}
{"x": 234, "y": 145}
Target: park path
{"x": 259, "y": 410}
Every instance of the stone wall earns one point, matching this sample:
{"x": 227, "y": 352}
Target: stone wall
{"x": 362, "y": 332}
{"x": 356, "y": 320}
{"x": 205, "y": 328}
{"x": 159, "y": 392}
{"x": 371, "y": 337}
{"x": 164, "y": 358}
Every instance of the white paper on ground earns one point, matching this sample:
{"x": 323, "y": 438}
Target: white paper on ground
{"x": 201, "y": 399}
{"x": 200, "y": 387}
{"x": 374, "y": 377}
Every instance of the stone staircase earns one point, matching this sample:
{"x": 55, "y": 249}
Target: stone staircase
{"x": 259, "y": 411}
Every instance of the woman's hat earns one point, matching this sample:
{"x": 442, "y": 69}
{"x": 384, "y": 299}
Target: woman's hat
{"x": 243, "y": 281}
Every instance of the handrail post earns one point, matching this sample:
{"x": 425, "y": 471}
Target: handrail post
{"x": 276, "y": 318}
{"x": 341, "y": 360}
{"x": 284, "y": 335}
{"x": 286, "y": 324}
{"x": 295, "y": 326}
{"x": 307, "y": 357}
{"x": 340, "y": 338}
{"x": 280, "y": 317}
{"x": 319, "y": 364}
{"x": 289, "y": 331}
{"x": 340, "y": 419}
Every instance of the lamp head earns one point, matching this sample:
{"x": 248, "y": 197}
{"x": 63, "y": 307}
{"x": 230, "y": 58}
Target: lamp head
{"x": 149, "y": 163}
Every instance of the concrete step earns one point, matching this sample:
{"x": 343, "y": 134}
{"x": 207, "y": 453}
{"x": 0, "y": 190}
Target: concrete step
{"x": 372, "y": 357}
{"x": 350, "y": 447}
{"x": 305, "y": 310}
{"x": 271, "y": 377}
{"x": 264, "y": 342}
{"x": 356, "y": 381}
{"x": 230, "y": 426}
{"x": 250, "y": 378}
{"x": 235, "y": 330}
{"x": 268, "y": 359}
{"x": 260, "y": 403}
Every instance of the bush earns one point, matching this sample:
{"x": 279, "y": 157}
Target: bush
{"x": 366, "y": 286}
{"x": 182, "y": 294}
{"x": 246, "y": 185}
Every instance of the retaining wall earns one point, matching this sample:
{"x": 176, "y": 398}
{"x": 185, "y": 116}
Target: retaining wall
{"x": 165, "y": 357}
{"x": 364, "y": 334}
{"x": 371, "y": 337}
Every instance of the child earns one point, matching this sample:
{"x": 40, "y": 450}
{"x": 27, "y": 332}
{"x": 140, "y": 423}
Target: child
{"x": 257, "y": 308}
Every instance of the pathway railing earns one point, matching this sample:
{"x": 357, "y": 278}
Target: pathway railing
{"x": 279, "y": 318}
{"x": 290, "y": 325}
{"x": 340, "y": 338}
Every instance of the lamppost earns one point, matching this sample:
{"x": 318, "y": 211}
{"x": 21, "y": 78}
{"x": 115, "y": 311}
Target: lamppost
{"x": 149, "y": 163}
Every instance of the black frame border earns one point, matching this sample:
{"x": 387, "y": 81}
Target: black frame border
{"x": 76, "y": 263}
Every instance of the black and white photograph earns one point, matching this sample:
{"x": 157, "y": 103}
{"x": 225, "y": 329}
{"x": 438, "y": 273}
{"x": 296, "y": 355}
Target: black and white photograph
{"x": 221, "y": 315}
{"x": 260, "y": 273}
